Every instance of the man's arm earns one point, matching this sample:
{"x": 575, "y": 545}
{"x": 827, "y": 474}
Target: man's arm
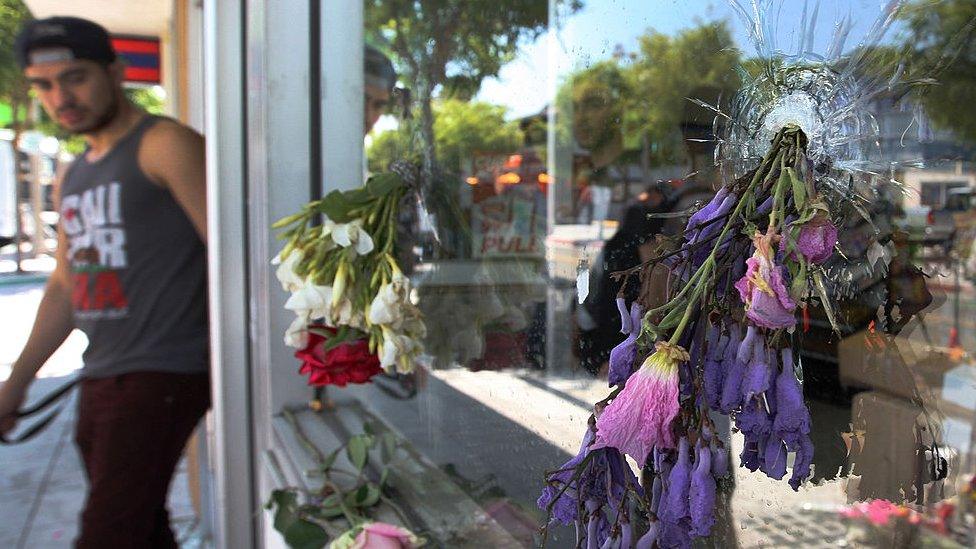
{"x": 52, "y": 325}
{"x": 173, "y": 156}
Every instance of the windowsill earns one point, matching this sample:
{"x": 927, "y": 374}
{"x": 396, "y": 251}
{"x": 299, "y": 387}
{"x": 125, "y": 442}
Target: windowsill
{"x": 434, "y": 505}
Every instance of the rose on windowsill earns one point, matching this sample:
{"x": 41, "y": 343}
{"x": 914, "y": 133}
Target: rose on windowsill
{"x": 333, "y": 358}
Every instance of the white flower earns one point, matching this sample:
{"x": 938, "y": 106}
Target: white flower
{"x": 290, "y": 281}
{"x": 385, "y": 306}
{"x": 347, "y": 234}
{"x": 311, "y": 301}
{"x": 297, "y": 334}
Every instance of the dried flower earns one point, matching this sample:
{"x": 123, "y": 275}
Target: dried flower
{"x": 763, "y": 290}
{"x": 702, "y": 494}
{"x": 792, "y": 419}
{"x": 817, "y": 239}
{"x": 676, "y": 505}
{"x": 774, "y": 458}
{"x": 801, "y": 462}
{"x": 640, "y": 417}
{"x": 624, "y": 355}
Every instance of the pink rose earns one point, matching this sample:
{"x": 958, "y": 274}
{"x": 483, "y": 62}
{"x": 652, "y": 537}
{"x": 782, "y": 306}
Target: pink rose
{"x": 817, "y": 239}
{"x": 380, "y": 535}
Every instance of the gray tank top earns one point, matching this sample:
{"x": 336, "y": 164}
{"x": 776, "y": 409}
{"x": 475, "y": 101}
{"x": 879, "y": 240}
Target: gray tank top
{"x": 138, "y": 267}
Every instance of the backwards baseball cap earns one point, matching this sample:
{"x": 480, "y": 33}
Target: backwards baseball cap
{"x": 62, "y": 39}
{"x": 378, "y": 69}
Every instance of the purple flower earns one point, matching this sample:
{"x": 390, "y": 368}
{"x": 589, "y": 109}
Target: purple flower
{"x": 792, "y": 420}
{"x": 734, "y": 363}
{"x": 640, "y": 417}
{"x": 758, "y": 372}
{"x": 713, "y": 373}
{"x": 774, "y": 458}
{"x": 817, "y": 239}
{"x": 625, "y": 325}
{"x": 708, "y": 212}
{"x": 711, "y": 211}
{"x": 675, "y": 534}
{"x": 720, "y": 461}
{"x": 763, "y": 290}
{"x": 675, "y": 505}
{"x": 597, "y": 527}
{"x": 565, "y": 507}
{"x": 754, "y": 418}
{"x": 702, "y": 495}
{"x": 647, "y": 540}
{"x": 752, "y": 455}
{"x": 623, "y": 356}
{"x": 801, "y": 462}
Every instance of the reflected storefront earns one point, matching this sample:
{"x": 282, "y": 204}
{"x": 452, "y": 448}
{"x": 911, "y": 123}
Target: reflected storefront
{"x": 557, "y": 145}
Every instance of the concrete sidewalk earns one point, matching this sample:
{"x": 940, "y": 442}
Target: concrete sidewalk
{"x": 42, "y": 485}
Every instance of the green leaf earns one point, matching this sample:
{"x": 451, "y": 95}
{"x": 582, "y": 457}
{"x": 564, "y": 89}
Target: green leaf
{"x": 337, "y": 207}
{"x": 799, "y": 190}
{"x": 287, "y": 509}
{"x": 357, "y": 450}
{"x": 388, "y": 447}
{"x": 384, "y": 476}
{"x": 329, "y": 460}
{"x": 799, "y": 288}
{"x": 383, "y": 184}
{"x": 331, "y": 507}
{"x": 372, "y": 495}
{"x": 303, "y": 534}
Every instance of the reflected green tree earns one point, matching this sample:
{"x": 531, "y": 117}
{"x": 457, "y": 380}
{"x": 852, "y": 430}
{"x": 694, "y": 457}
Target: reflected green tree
{"x": 462, "y": 129}
{"x": 940, "y": 44}
{"x": 13, "y": 86}
{"x": 666, "y": 70}
{"x": 446, "y": 48}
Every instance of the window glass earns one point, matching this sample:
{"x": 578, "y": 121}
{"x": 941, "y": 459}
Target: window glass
{"x": 560, "y": 143}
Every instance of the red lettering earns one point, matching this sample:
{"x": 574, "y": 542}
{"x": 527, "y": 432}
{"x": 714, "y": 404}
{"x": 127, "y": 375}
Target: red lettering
{"x": 79, "y": 292}
{"x": 108, "y": 291}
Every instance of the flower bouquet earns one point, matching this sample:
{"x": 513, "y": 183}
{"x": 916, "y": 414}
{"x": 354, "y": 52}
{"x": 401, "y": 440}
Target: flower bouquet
{"x": 747, "y": 265}
{"x": 355, "y": 313}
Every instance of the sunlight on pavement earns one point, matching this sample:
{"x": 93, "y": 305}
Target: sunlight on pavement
{"x": 19, "y": 305}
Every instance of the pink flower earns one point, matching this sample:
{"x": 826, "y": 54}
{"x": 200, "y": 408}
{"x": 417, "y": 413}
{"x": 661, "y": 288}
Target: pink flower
{"x": 380, "y": 535}
{"x": 817, "y": 239}
{"x": 640, "y": 417}
{"x": 762, "y": 289}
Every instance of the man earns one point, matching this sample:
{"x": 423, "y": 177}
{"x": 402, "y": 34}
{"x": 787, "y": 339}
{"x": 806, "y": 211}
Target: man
{"x": 131, "y": 274}
{"x": 379, "y": 80}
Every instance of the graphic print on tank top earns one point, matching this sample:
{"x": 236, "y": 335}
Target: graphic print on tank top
{"x": 93, "y": 223}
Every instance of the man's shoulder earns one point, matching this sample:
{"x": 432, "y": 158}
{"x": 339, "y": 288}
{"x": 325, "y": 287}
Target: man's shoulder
{"x": 168, "y": 144}
{"x": 168, "y": 131}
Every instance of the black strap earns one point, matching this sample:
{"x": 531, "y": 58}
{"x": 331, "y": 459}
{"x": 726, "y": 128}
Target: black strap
{"x": 45, "y": 403}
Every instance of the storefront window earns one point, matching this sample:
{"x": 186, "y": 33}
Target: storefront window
{"x": 557, "y": 144}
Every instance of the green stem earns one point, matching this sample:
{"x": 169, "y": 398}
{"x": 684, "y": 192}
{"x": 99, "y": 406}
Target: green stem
{"x": 709, "y": 263}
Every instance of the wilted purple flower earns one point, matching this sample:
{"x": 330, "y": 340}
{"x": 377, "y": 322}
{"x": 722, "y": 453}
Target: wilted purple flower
{"x": 774, "y": 458}
{"x": 736, "y": 359}
{"x": 752, "y": 456}
{"x": 753, "y": 418}
{"x": 565, "y": 508}
{"x": 763, "y": 290}
{"x": 662, "y": 470}
{"x": 625, "y": 324}
{"x": 675, "y": 505}
{"x": 709, "y": 210}
{"x": 675, "y": 534}
{"x": 624, "y": 355}
{"x": 792, "y": 416}
{"x": 597, "y": 527}
{"x": 713, "y": 373}
{"x": 702, "y": 494}
{"x": 720, "y": 461}
{"x": 744, "y": 350}
{"x": 801, "y": 462}
{"x": 817, "y": 239}
{"x": 758, "y": 372}
{"x": 647, "y": 540}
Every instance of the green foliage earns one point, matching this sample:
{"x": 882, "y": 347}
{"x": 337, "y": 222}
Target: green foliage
{"x": 940, "y": 45}
{"x": 461, "y": 130}
{"x": 669, "y": 69}
{"x": 13, "y": 13}
{"x": 341, "y": 504}
{"x": 451, "y": 46}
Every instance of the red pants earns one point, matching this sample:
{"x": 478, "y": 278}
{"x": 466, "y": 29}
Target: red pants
{"x": 131, "y": 432}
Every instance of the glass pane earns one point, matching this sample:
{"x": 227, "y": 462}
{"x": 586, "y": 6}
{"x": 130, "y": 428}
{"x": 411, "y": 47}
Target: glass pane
{"x": 560, "y": 146}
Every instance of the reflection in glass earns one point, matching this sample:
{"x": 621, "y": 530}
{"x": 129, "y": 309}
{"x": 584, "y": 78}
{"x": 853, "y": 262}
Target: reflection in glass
{"x": 578, "y": 138}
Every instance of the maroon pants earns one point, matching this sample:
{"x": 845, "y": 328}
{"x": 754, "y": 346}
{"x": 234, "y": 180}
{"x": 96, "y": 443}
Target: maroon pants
{"x": 131, "y": 432}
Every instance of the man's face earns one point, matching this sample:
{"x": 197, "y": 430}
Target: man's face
{"x": 81, "y": 96}
{"x": 376, "y": 100}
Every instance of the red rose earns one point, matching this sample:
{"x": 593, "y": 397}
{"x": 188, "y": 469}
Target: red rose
{"x": 349, "y": 362}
